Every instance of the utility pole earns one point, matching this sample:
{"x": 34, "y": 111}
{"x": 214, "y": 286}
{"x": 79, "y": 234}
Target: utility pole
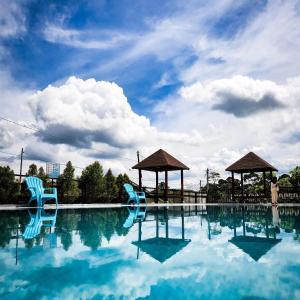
{"x": 138, "y": 156}
{"x": 21, "y": 165}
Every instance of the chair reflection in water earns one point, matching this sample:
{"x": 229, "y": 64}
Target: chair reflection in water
{"x": 136, "y": 213}
{"x": 38, "y": 218}
{"x": 134, "y": 197}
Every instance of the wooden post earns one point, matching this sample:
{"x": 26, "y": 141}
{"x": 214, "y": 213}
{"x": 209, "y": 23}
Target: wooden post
{"x": 140, "y": 179}
{"x": 265, "y": 185}
{"x": 166, "y": 186}
{"x": 167, "y": 223}
{"x": 21, "y": 164}
{"x": 232, "y": 186}
{"x": 182, "y": 223}
{"x": 181, "y": 191}
{"x": 157, "y": 223}
{"x": 242, "y": 186}
{"x": 156, "y": 181}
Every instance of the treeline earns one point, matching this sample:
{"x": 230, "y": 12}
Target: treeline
{"x": 93, "y": 186}
{"x": 253, "y": 183}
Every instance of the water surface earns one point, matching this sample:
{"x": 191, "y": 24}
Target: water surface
{"x": 208, "y": 252}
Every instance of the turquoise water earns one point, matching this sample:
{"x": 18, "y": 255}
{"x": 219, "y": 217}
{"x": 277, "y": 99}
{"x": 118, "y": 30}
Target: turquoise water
{"x": 176, "y": 253}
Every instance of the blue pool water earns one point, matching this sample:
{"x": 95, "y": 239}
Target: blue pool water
{"x": 207, "y": 252}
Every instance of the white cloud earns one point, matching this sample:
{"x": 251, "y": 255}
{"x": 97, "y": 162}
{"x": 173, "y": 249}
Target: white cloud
{"x": 100, "y": 40}
{"x": 12, "y": 18}
{"x": 81, "y": 112}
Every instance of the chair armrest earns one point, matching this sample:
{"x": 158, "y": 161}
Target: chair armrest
{"x": 53, "y": 190}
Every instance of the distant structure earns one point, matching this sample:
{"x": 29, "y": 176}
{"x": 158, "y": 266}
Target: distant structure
{"x": 53, "y": 169}
{"x": 161, "y": 161}
{"x": 251, "y": 162}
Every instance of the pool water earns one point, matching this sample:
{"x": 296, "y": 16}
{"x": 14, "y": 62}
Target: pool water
{"x": 207, "y": 252}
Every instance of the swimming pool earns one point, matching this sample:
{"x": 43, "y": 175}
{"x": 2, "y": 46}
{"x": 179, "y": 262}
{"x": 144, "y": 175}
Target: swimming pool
{"x": 196, "y": 252}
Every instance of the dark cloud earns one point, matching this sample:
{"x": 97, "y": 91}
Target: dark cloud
{"x": 104, "y": 154}
{"x": 79, "y": 138}
{"x": 38, "y": 154}
{"x": 294, "y": 138}
{"x": 242, "y": 107}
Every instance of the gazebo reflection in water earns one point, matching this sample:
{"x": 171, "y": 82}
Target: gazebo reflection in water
{"x": 251, "y": 244}
{"x": 160, "y": 247}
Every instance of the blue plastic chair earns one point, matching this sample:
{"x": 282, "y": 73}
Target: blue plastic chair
{"x": 37, "y": 220}
{"x": 134, "y": 197}
{"x": 38, "y": 192}
{"x": 136, "y": 213}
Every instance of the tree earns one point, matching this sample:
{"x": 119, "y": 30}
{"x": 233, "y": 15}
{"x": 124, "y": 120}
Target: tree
{"x": 32, "y": 171}
{"x": 120, "y": 180}
{"x": 284, "y": 181}
{"x": 92, "y": 182}
{"x": 214, "y": 176}
{"x": 67, "y": 186}
{"x": 295, "y": 176}
{"x": 9, "y": 188}
{"x": 42, "y": 175}
{"x": 111, "y": 189}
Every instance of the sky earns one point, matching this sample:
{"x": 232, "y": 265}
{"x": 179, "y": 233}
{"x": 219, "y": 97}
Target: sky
{"x": 208, "y": 81}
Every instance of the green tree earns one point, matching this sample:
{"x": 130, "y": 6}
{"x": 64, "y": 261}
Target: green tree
{"x": 67, "y": 185}
{"x": 32, "y": 170}
{"x": 9, "y": 188}
{"x": 120, "y": 180}
{"x": 284, "y": 181}
{"x": 295, "y": 176}
{"x": 111, "y": 188}
{"x": 92, "y": 182}
{"x": 42, "y": 175}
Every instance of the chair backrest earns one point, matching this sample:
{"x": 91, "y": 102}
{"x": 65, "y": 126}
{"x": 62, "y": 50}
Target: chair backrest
{"x": 129, "y": 189}
{"x": 35, "y": 185}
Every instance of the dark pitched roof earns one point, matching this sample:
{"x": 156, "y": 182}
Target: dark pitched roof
{"x": 255, "y": 247}
{"x": 160, "y": 161}
{"x": 161, "y": 248}
{"x": 251, "y": 163}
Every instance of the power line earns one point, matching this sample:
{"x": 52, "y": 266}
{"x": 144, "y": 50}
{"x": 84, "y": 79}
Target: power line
{"x": 18, "y": 124}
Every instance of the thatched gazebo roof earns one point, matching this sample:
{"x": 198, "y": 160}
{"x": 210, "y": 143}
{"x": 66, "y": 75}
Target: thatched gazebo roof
{"x": 255, "y": 247}
{"x": 160, "y": 161}
{"x": 161, "y": 248}
{"x": 251, "y": 162}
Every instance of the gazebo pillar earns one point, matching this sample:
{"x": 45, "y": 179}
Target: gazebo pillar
{"x": 156, "y": 186}
{"x": 232, "y": 186}
{"x": 166, "y": 186}
{"x": 181, "y": 190}
{"x": 265, "y": 185}
{"x": 140, "y": 179}
{"x": 242, "y": 185}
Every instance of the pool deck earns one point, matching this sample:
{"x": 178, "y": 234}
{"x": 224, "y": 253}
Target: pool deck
{"x": 116, "y": 205}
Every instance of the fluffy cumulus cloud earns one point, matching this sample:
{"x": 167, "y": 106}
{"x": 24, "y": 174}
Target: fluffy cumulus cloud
{"x": 242, "y": 95}
{"x": 81, "y": 112}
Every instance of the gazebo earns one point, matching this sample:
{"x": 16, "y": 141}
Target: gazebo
{"x": 161, "y": 161}
{"x": 251, "y": 162}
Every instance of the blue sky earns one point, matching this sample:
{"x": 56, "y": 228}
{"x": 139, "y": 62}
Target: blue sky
{"x": 197, "y": 78}
{"x": 35, "y": 61}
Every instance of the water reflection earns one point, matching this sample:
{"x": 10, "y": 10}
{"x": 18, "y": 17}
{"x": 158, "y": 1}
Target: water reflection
{"x": 136, "y": 213}
{"x": 186, "y": 251}
{"x": 38, "y": 218}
